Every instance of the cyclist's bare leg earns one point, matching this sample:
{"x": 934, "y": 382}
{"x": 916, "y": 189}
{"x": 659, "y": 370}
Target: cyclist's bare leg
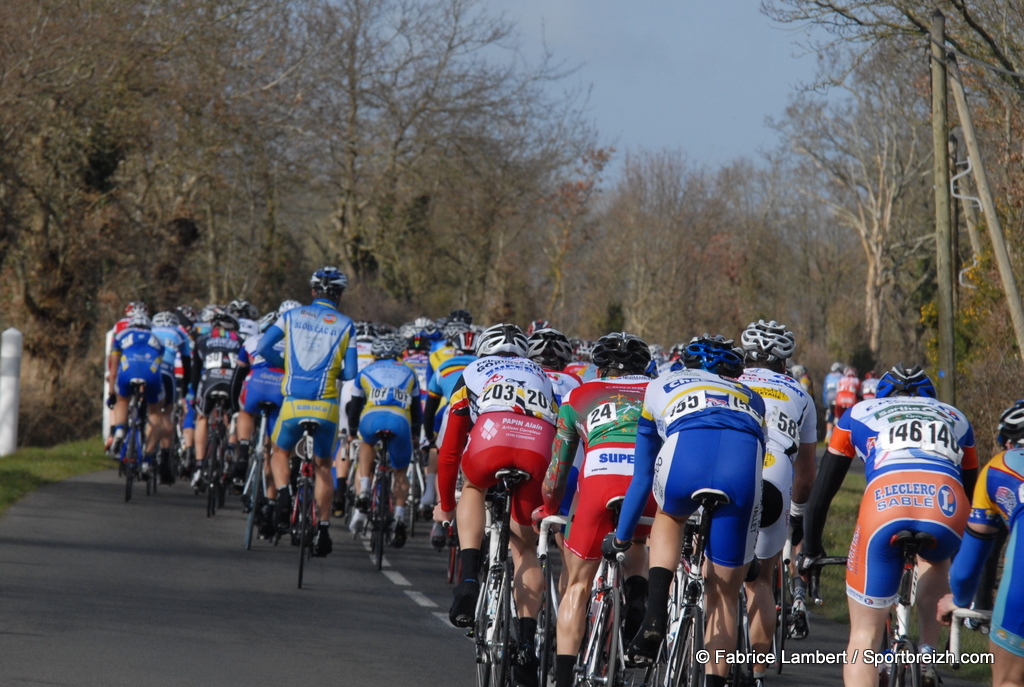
{"x": 761, "y": 609}
{"x": 723, "y": 588}
{"x": 367, "y": 454}
{"x": 867, "y": 627}
{"x": 430, "y": 479}
{"x": 119, "y": 413}
{"x": 529, "y": 581}
{"x": 154, "y": 429}
{"x": 245, "y": 424}
{"x": 470, "y": 515}
{"x": 932, "y": 585}
{"x": 324, "y": 487}
{"x": 1008, "y": 669}
{"x": 400, "y": 486}
{"x": 279, "y": 466}
{"x": 200, "y": 437}
{"x": 666, "y": 540}
{"x": 572, "y": 611}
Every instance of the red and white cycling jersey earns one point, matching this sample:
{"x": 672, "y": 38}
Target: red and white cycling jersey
{"x": 847, "y": 391}
{"x": 504, "y": 384}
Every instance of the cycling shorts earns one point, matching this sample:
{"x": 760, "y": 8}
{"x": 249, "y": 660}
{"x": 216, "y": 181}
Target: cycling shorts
{"x": 400, "y": 445}
{"x": 714, "y": 458}
{"x": 507, "y": 440}
{"x": 140, "y": 370}
{"x": 263, "y": 385}
{"x": 293, "y": 411}
{"x": 205, "y": 394}
{"x": 591, "y": 520}
{"x": 170, "y": 387}
{"x": 914, "y": 500}
{"x": 1008, "y": 612}
{"x": 776, "y": 494}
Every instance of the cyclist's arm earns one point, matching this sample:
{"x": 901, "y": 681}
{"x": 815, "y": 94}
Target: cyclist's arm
{"x": 238, "y": 376}
{"x": 429, "y": 414}
{"x": 648, "y": 443}
{"x": 804, "y": 471}
{"x": 273, "y": 334}
{"x": 353, "y": 411}
{"x": 563, "y": 452}
{"x": 186, "y": 361}
{"x": 197, "y": 369}
{"x": 969, "y": 562}
{"x": 449, "y": 456}
{"x": 416, "y": 420}
{"x": 350, "y": 367}
{"x": 830, "y": 478}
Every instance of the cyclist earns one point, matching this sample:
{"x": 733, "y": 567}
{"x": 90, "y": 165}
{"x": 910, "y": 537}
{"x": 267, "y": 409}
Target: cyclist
{"x": 550, "y": 349}
{"x": 997, "y": 506}
{"x": 699, "y": 428}
{"x": 537, "y": 325}
{"x": 602, "y": 415}
{"x": 503, "y": 406}
{"x": 847, "y": 392}
{"x": 177, "y": 347}
{"x": 581, "y": 365}
{"x": 791, "y": 438}
{"x": 246, "y": 314}
{"x": 828, "y": 396}
{"x": 386, "y": 398}
{"x": 320, "y": 350}
{"x": 419, "y": 344}
{"x": 137, "y": 353}
{"x": 868, "y": 386}
{"x": 214, "y": 359}
{"x": 918, "y": 457}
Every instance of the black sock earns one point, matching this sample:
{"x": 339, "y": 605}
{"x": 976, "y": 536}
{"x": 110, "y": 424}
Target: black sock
{"x": 242, "y": 453}
{"x": 565, "y": 670}
{"x": 659, "y": 583}
{"x": 715, "y": 680}
{"x": 636, "y": 590}
{"x": 470, "y": 560}
{"x": 527, "y": 631}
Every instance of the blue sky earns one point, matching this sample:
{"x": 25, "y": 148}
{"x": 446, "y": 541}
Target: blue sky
{"x": 698, "y": 76}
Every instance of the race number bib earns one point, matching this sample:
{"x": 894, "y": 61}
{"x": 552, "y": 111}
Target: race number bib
{"x": 700, "y": 400}
{"x": 506, "y": 395}
{"x": 933, "y": 436}
{"x": 601, "y": 415}
{"x": 218, "y": 360}
{"x": 390, "y": 397}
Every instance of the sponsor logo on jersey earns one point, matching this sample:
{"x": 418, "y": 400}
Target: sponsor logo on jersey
{"x": 947, "y": 501}
{"x": 330, "y": 319}
{"x": 768, "y": 392}
{"x": 615, "y": 458}
{"x": 1006, "y": 499}
{"x": 489, "y": 429}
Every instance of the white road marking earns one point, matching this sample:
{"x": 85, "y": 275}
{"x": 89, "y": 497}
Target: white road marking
{"x": 420, "y": 598}
{"x": 397, "y": 578}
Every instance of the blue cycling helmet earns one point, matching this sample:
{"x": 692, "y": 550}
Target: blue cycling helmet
{"x": 329, "y": 280}
{"x": 900, "y": 381}
{"x": 714, "y": 354}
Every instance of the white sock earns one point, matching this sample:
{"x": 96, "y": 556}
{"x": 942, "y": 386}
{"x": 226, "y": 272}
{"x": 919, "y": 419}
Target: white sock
{"x": 399, "y": 512}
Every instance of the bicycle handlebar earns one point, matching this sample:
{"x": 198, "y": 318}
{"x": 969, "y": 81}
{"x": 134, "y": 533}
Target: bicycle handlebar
{"x": 545, "y": 526}
{"x": 814, "y": 572}
{"x": 960, "y": 615}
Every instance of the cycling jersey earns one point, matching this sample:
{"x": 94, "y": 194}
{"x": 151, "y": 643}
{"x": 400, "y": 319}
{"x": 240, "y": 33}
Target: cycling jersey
{"x": 789, "y": 422}
{"x": 214, "y": 359}
{"x": 503, "y": 406}
{"x": 847, "y": 391}
{"x": 602, "y": 416}
{"x": 828, "y": 393}
{"x": 141, "y": 356}
{"x": 262, "y": 383}
{"x": 364, "y": 351}
{"x": 700, "y": 430}
{"x": 440, "y": 388}
{"x": 562, "y": 383}
{"x": 868, "y": 388}
{"x": 391, "y": 391}
{"x": 420, "y": 363}
{"x": 320, "y": 349}
{"x": 914, "y": 450}
{"x": 998, "y": 502}
{"x": 176, "y": 345}
{"x": 436, "y": 358}
{"x": 583, "y": 371}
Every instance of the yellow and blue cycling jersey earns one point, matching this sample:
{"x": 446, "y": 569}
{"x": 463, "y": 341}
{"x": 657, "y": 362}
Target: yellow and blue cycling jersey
{"x": 447, "y": 374}
{"x": 320, "y": 349}
{"x": 998, "y": 502}
{"x": 391, "y": 390}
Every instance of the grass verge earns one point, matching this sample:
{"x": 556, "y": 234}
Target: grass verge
{"x": 842, "y": 520}
{"x": 27, "y": 469}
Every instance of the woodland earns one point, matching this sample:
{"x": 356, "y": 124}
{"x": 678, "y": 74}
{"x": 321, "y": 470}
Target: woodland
{"x": 196, "y": 151}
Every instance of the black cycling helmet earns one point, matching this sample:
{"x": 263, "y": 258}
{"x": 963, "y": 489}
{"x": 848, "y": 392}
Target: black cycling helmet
{"x": 549, "y": 348}
{"x": 328, "y": 280}
{"x": 243, "y": 309}
{"x": 224, "y": 319}
{"x": 715, "y": 354}
{"x": 1011, "y": 424}
{"x": 900, "y": 381}
{"x": 460, "y": 315}
{"x": 621, "y": 351}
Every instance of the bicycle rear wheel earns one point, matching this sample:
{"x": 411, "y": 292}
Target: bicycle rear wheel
{"x": 256, "y": 496}
{"x": 903, "y": 672}
{"x": 131, "y": 460}
{"x": 500, "y": 646}
{"x": 381, "y": 518}
{"x": 742, "y": 672}
{"x": 782, "y": 604}
{"x": 210, "y": 472}
{"x": 546, "y": 621}
{"x": 304, "y": 526}
{"x": 600, "y": 643}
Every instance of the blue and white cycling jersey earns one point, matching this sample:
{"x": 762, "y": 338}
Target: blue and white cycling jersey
{"x": 320, "y": 349}
{"x": 176, "y": 343}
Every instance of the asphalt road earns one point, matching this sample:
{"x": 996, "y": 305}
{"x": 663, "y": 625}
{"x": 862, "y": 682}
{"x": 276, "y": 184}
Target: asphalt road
{"x": 95, "y": 591}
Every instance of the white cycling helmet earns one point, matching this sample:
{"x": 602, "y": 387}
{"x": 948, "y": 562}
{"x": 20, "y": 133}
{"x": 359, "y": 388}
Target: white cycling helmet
{"x": 287, "y": 305}
{"x": 502, "y": 338}
{"x": 767, "y": 341}
{"x": 165, "y": 319}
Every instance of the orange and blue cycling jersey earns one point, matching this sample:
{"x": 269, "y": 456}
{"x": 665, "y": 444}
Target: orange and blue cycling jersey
{"x": 914, "y": 450}
{"x": 320, "y": 349}
{"x": 998, "y": 502}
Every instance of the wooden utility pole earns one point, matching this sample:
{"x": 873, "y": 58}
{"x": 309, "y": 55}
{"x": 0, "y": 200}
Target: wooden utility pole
{"x": 944, "y": 276}
{"x": 988, "y": 206}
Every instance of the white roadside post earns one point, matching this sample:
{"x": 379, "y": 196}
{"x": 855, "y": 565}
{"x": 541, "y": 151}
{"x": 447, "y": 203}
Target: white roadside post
{"x": 10, "y": 381}
{"x": 107, "y": 383}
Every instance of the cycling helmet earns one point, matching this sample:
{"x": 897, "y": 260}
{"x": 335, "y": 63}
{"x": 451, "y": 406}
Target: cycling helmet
{"x": 837, "y": 367}
{"x": 657, "y": 352}
{"x": 286, "y": 306}
{"x": 247, "y": 328}
{"x": 900, "y": 381}
{"x": 549, "y": 348}
{"x": 502, "y": 338}
{"x": 676, "y": 352}
{"x": 537, "y": 324}
{"x": 390, "y": 346}
{"x": 225, "y": 320}
{"x": 135, "y": 307}
{"x": 465, "y": 342}
{"x": 768, "y": 341}
{"x": 207, "y": 313}
{"x": 425, "y": 326}
{"x": 267, "y": 320}
{"x": 460, "y": 315}
{"x": 187, "y": 315}
{"x": 714, "y": 354}
{"x": 1011, "y": 424}
{"x": 243, "y": 309}
{"x": 328, "y": 280}
{"x": 407, "y": 330}
{"x": 139, "y": 320}
{"x": 622, "y": 351}
{"x": 165, "y": 319}
{"x": 453, "y": 329}
{"x": 584, "y": 350}
{"x": 365, "y": 330}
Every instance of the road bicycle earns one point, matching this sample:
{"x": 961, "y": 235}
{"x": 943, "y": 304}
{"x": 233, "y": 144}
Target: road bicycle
{"x": 305, "y": 514}
{"x": 254, "y": 492}
{"x": 381, "y": 517}
{"x": 601, "y": 661}
{"x": 417, "y": 484}
{"x": 215, "y": 458}
{"x": 685, "y": 638}
{"x": 548, "y": 617}
{"x": 133, "y": 446}
{"x": 495, "y": 609}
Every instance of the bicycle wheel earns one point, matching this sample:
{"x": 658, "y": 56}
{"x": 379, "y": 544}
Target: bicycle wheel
{"x": 742, "y": 672}
{"x": 546, "y": 621}
{"x": 131, "y": 459}
{"x": 693, "y": 670}
{"x": 254, "y": 492}
{"x": 501, "y": 646}
{"x": 210, "y": 472}
{"x": 486, "y": 612}
{"x": 379, "y": 512}
{"x": 780, "y": 583}
{"x": 904, "y": 673}
{"x": 304, "y": 526}
{"x": 600, "y": 642}
{"x": 415, "y": 494}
